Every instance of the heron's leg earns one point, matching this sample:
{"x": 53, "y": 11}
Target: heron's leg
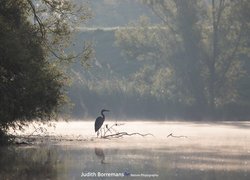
{"x": 103, "y": 132}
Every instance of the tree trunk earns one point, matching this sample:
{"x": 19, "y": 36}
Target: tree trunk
{"x": 213, "y": 60}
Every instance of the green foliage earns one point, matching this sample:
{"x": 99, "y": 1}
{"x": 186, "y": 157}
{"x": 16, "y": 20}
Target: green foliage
{"x": 168, "y": 69}
{"x": 203, "y": 45}
{"x": 31, "y": 85}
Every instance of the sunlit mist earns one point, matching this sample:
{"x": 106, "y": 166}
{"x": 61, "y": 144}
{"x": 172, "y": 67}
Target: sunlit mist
{"x": 202, "y": 146}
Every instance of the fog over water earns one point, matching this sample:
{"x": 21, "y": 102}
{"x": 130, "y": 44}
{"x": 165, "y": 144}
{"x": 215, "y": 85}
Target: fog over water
{"x": 195, "y": 150}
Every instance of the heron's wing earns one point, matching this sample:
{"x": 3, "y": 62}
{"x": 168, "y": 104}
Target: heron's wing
{"x": 98, "y": 123}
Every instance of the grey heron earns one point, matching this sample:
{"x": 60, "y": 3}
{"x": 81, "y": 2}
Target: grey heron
{"x": 99, "y": 121}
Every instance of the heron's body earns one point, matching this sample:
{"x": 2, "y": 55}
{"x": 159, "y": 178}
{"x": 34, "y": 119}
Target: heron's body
{"x": 99, "y": 121}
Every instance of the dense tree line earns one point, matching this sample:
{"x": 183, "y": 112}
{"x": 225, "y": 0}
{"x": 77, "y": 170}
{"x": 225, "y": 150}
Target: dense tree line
{"x": 203, "y": 48}
{"x": 195, "y": 64}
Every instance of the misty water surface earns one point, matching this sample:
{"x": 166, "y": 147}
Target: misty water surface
{"x": 195, "y": 151}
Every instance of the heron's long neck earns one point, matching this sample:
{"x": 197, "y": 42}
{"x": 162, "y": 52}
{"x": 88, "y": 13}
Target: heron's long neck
{"x": 102, "y": 115}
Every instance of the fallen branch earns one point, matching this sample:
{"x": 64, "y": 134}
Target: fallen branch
{"x": 171, "y": 135}
{"x": 111, "y": 132}
{"x": 121, "y": 134}
{"x": 108, "y": 129}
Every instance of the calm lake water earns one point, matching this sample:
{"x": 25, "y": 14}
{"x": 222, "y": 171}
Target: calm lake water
{"x": 71, "y": 150}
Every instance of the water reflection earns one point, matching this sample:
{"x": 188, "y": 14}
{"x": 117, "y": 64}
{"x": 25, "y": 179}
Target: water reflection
{"x": 27, "y": 163}
{"x": 68, "y": 162}
{"x": 100, "y": 154}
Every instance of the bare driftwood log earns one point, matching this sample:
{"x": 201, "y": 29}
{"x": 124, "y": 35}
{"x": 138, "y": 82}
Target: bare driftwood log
{"x": 110, "y": 132}
{"x": 121, "y": 134}
{"x": 171, "y": 135}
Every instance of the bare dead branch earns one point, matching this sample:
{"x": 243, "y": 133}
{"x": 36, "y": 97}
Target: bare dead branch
{"x": 37, "y": 18}
{"x": 121, "y": 134}
{"x": 171, "y": 135}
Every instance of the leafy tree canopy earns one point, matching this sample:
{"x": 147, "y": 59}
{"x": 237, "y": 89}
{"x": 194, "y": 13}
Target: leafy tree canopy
{"x": 205, "y": 46}
{"x": 33, "y": 36}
